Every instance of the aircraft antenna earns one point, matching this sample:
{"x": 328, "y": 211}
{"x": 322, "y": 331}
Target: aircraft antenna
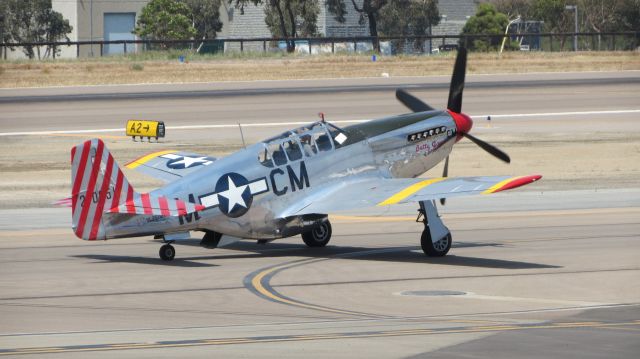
{"x": 242, "y": 135}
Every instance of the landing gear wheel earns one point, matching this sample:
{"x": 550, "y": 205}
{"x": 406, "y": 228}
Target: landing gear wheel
{"x": 167, "y": 252}
{"x": 439, "y": 248}
{"x": 319, "y": 236}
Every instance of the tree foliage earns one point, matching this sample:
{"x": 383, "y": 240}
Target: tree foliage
{"x": 489, "y": 21}
{"x": 165, "y": 20}
{"x": 514, "y": 8}
{"x": 409, "y": 18}
{"x": 205, "y": 17}
{"x": 33, "y": 21}
{"x": 369, "y": 12}
{"x": 287, "y": 18}
{"x": 629, "y": 15}
{"x": 301, "y": 18}
{"x": 390, "y": 17}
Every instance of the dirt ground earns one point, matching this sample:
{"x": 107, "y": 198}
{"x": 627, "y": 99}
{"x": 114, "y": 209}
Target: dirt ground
{"x": 129, "y": 70}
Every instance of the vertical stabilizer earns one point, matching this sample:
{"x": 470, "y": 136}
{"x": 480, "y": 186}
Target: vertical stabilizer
{"x": 98, "y": 185}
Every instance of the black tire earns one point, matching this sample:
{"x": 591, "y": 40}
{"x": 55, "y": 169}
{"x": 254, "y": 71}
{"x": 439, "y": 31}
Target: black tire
{"x": 438, "y": 249}
{"x": 167, "y": 252}
{"x": 319, "y": 236}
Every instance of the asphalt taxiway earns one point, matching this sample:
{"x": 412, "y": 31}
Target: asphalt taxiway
{"x": 539, "y": 273}
{"x": 566, "y": 279}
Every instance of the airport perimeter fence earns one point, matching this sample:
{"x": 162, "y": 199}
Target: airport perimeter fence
{"x": 389, "y": 45}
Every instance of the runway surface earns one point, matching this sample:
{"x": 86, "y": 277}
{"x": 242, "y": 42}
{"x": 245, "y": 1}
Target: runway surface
{"x": 87, "y": 108}
{"x": 539, "y": 273}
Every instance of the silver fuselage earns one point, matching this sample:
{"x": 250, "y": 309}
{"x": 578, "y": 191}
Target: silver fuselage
{"x": 383, "y": 149}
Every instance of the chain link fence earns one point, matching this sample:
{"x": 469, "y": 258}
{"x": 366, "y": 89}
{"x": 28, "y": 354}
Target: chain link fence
{"x": 611, "y": 41}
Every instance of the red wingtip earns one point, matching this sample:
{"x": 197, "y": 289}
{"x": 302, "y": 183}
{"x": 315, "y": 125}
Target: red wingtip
{"x": 517, "y": 182}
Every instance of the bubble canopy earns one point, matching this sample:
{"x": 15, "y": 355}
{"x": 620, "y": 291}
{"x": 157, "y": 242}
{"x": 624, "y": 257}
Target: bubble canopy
{"x": 316, "y": 127}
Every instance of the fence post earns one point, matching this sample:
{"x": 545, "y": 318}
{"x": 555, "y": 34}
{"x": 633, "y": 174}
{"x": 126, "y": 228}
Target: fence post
{"x": 264, "y": 46}
{"x": 333, "y": 46}
{"x": 614, "y": 41}
{"x": 309, "y": 46}
{"x": 78, "y": 50}
{"x": 241, "y": 46}
{"x": 125, "y": 47}
{"x": 101, "y": 49}
{"x": 355, "y": 46}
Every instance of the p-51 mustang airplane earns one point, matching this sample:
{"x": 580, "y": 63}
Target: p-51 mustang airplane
{"x": 287, "y": 185}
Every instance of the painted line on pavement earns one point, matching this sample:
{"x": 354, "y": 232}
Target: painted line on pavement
{"x": 299, "y": 123}
{"x": 310, "y": 337}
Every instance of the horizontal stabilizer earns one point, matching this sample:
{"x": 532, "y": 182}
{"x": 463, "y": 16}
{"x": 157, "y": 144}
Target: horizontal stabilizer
{"x": 170, "y": 165}
{"x": 145, "y": 203}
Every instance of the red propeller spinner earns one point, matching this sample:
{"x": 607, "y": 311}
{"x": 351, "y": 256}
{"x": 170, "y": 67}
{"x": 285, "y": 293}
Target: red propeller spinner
{"x": 463, "y": 123}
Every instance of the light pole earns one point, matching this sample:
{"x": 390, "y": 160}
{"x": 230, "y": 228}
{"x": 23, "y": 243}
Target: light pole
{"x": 575, "y": 29}
{"x": 91, "y": 25}
{"x": 504, "y": 38}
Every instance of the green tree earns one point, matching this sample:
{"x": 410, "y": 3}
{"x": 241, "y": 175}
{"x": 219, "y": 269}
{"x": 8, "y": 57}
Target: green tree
{"x": 5, "y": 34}
{"x": 288, "y": 18}
{"x": 34, "y": 21}
{"x": 369, "y": 13}
{"x": 409, "y": 18}
{"x": 487, "y": 21}
{"x": 629, "y": 15}
{"x": 514, "y": 8}
{"x": 556, "y": 18}
{"x": 205, "y": 17}
{"x": 165, "y": 20}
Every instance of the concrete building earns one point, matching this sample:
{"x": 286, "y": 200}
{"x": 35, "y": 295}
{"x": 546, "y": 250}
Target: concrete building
{"x": 454, "y": 15}
{"x": 95, "y": 20}
{"x": 115, "y": 20}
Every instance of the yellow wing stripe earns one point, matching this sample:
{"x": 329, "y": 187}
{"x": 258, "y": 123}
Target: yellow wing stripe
{"x": 409, "y": 191}
{"x": 500, "y": 184}
{"x": 144, "y": 159}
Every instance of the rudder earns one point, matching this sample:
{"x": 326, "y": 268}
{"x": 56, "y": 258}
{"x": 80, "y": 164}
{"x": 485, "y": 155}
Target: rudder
{"x": 98, "y": 185}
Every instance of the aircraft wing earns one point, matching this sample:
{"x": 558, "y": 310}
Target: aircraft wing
{"x": 170, "y": 165}
{"x": 370, "y": 192}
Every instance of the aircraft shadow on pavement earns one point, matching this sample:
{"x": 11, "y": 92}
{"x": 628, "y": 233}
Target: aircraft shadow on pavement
{"x": 400, "y": 255}
{"x": 177, "y": 262}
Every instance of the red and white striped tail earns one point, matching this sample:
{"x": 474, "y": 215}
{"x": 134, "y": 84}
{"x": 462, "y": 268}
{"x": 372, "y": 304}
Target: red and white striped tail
{"x": 99, "y": 186}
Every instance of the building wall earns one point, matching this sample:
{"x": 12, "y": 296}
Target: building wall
{"x": 87, "y": 19}
{"x": 251, "y": 24}
{"x": 454, "y": 15}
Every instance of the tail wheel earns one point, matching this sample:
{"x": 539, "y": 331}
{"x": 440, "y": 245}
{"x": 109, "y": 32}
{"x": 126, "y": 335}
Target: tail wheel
{"x": 435, "y": 249}
{"x": 319, "y": 236}
{"x": 167, "y": 252}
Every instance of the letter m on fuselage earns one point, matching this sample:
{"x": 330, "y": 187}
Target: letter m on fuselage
{"x": 301, "y": 181}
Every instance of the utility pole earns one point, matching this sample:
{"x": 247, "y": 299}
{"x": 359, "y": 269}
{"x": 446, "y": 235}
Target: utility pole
{"x": 91, "y": 25}
{"x": 575, "y": 29}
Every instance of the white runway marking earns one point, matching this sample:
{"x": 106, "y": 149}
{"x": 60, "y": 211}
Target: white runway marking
{"x": 547, "y": 114}
{"x": 299, "y": 123}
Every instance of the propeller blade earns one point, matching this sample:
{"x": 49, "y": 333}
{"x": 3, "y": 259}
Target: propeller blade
{"x": 445, "y": 173}
{"x": 493, "y": 150}
{"x": 412, "y": 102}
{"x": 457, "y": 81}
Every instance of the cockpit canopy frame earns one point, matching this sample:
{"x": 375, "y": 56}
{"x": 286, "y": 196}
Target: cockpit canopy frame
{"x": 305, "y": 141}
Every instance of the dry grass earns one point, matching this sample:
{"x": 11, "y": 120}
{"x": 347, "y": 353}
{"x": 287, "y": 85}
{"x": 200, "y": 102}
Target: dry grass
{"x": 210, "y": 69}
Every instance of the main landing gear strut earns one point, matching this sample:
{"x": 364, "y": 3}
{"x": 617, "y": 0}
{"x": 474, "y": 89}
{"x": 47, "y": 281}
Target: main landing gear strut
{"x": 436, "y": 237}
